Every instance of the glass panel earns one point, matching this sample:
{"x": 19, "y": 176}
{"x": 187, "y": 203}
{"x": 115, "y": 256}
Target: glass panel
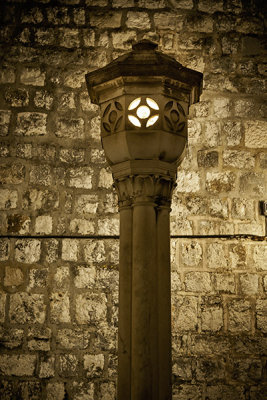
{"x": 135, "y": 121}
{"x": 134, "y": 103}
{"x": 152, "y": 120}
{"x": 143, "y": 112}
{"x": 152, "y": 103}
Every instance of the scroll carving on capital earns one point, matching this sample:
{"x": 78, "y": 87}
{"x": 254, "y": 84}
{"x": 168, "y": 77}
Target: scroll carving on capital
{"x": 134, "y": 189}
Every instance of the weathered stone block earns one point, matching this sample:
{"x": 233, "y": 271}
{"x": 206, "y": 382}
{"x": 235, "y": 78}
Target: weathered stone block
{"x": 249, "y": 284}
{"x": 7, "y": 74}
{"x": 58, "y": 15}
{"x": 111, "y": 19}
{"x": 184, "y": 311}
{"x": 2, "y": 306}
{"x": 44, "y": 224}
{"x": 163, "y": 19}
{"x": 11, "y": 337}
{"x": 198, "y": 282}
{"x": 70, "y": 249}
{"x": 73, "y": 338}
{"x": 191, "y": 254}
{"x": 8, "y": 199}
{"x": 12, "y": 173}
{"x": 82, "y": 226}
{"x": 224, "y": 283}
{"x": 13, "y": 276}
{"x": 24, "y": 150}
{"x": 108, "y": 226}
{"x": 194, "y": 132}
{"x": 17, "y": 97}
{"x": 55, "y": 390}
{"x": 260, "y": 257}
{"x": 4, "y": 249}
{"x": 86, "y": 203}
{"x": 138, "y": 20}
{"x": 59, "y": 307}
{"x": 123, "y": 40}
{"x": 105, "y": 179}
{"x": 32, "y": 16}
{"x": 233, "y": 132}
{"x": 68, "y": 364}
{"x": 216, "y": 255}
{"x": 238, "y": 159}
{"x": 18, "y": 365}
{"x": 71, "y": 156}
{"x": 183, "y": 368}
{"x": 4, "y": 149}
{"x": 217, "y": 182}
{"x": 79, "y": 15}
{"x": 188, "y": 182}
{"x": 39, "y": 338}
{"x": 47, "y": 367}
{"x": 41, "y": 175}
{"x": 38, "y": 278}
{"x": 94, "y": 364}
{"x": 27, "y": 250}
{"x": 27, "y": 308}
{"x": 91, "y": 308}
{"x": 32, "y": 76}
{"x": 72, "y": 128}
{"x": 210, "y": 6}
{"x": 218, "y": 208}
{"x": 256, "y": 134}
{"x": 239, "y": 316}
{"x": 40, "y": 200}
{"x": 43, "y": 99}
{"x": 212, "y": 133}
{"x": 261, "y": 315}
{"x": 207, "y": 158}
{"x": 62, "y": 277}
{"x": 4, "y": 122}
{"x": 31, "y": 124}
{"x": 252, "y": 183}
{"x": 45, "y": 36}
{"x": 243, "y": 209}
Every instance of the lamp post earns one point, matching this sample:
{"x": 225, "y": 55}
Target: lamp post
{"x": 144, "y": 97}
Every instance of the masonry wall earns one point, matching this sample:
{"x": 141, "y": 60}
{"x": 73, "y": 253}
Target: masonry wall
{"x": 59, "y": 219}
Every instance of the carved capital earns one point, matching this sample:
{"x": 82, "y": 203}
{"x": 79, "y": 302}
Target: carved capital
{"x": 136, "y": 189}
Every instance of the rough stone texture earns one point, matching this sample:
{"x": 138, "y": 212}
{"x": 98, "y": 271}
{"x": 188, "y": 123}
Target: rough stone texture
{"x": 59, "y": 296}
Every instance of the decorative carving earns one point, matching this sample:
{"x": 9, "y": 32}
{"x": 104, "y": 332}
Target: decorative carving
{"x": 174, "y": 117}
{"x": 144, "y": 112}
{"x": 145, "y": 188}
{"x": 112, "y": 117}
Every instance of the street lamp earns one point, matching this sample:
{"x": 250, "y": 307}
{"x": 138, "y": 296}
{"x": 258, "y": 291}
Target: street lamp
{"x": 144, "y": 98}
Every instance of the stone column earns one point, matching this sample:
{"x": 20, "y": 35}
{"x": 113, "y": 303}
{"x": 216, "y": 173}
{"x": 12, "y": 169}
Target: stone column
{"x": 145, "y": 304}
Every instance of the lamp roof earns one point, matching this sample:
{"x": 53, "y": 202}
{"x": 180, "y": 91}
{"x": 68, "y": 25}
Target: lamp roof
{"x": 144, "y": 60}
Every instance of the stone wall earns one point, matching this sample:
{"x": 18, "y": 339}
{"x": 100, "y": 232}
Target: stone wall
{"x": 59, "y": 219}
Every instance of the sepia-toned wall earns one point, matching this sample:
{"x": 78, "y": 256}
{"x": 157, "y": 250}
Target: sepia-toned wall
{"x": 59, "y": 219}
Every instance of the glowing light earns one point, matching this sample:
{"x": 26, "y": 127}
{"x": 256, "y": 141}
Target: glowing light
{"x": 152, "y": 120}
{"x": 135, "y": 121}
{"x": 152, "y": 103}
{"x": 143, "y": 112}
{"x": 134, "y": 103}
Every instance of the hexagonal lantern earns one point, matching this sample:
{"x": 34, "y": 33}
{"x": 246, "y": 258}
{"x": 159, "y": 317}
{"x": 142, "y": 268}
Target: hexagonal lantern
{"x": 144, "y": 98}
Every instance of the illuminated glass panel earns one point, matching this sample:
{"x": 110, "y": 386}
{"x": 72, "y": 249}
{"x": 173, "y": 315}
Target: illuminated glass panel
{"x": 152, "y": 103}
{"x": 152, "y": 120}
{"x": 143, "y": 112}
{"x": 134, "y": 104}
{"x": 135, "y": 121}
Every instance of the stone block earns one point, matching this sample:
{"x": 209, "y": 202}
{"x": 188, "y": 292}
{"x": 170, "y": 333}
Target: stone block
{"x": 43, "y": 99}
{"x": 105, "y": 179}
{"x": 206, "y": 158}
{"x": 7, "y": 74}
{"x": 208, "y": 370}
{"x": 11, "y": 338}
{"x": 238, "y": 256}
{"x": 210, "y": 6}
{"x": 32, "y": 76}
{"x": 91, "y": 308}
{"x": 261, "y": 315}
{"x": 183, "y": 368}
{"x": 55, "y": 390}
{"x": 138, "y": 20}
{"x": 8, "y": 199}
{"x": 93, "y": 364}
{"x": 82, "y": 226}
{"x": 243, "y": 209}
{"x": 17, "y": 365}
{"x": 17, "y": 223}
{"x": 79, "y": 16}
{"x": 263, "y": 160}
{"x": 12, "y": 174}
{"x": 80, "y": 177}
{"x": 58, "y": 15}
{"x": 184, "y": 311}
{"x": 47, "y": 367}
{"x": 70, "y": 249}
{"x": 188, "y": 182}
{"x": 255, "y": 134}
{"x": 218, "y": 208}
{"x": 41, "y": 175}
{"x": 71, "y": 156}
{"x": 32, "y": 16}
{"x": 45, "y": 36}
{"x": 4, "y": 149}
{"x": 31, "y": 124}
{"x": 220, "y": 182}
{"x": 2, "y": 306}
{"x": 233, "y": 132}
{"x": 39, "y": 338}
{"x": 72, "y": 128}
{"x": 108, "y": 226}
{"x": 222, "y": 107}
{"x": 24, "y": 150}
{"x": 35, "y": 199}
{"x": 239, "y": 316}
{"x": 224, "y": 283}
{"x": 27, "y": 308}
{"x": 17, "y": 97}
{"x": 73, "y": 339}
{"x": 212, "y": 133}
{"x": 249, "y": 284}
{"x": 111, "y": 19}
{"x": 59, "y": 307}
{"x": 62, "y": 277}
{"x": 123, "y": 40}
{"x": 216, "y": 256}
{"x": 238, "y": 159}
{"x": 86, "y": 203}
{"x": 260, "y": 257}
{"x": 38, "y": 278}
{"x": 198, "y": 282}
{"x": 66, "y": 102}
{"x": 252, "y": 183}
{"x": 4, "y": 249}
{"x": 68, "y": 364}
{"x": 194, "y": 132}
{"x": 44, "y": 224}
{"x": 27, "y": 251}
{"x": 191, "y": 254}
{"x": 13, "y": 277}
{"x": 4, "y": 122}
